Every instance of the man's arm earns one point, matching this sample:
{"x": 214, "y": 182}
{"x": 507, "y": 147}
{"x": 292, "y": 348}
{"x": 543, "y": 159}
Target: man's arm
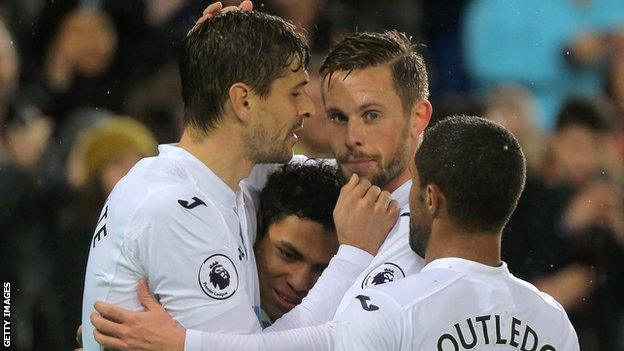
{"x": 370, "y": 322}
{"x": 359, "y": 206}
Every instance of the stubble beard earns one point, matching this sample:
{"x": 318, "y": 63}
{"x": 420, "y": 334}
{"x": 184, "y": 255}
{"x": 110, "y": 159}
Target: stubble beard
{"x": 261, "y": 146}
{"x": 396, "y": 165}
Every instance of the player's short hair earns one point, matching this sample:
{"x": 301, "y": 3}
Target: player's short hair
{"x": 238, "y": 46}
{"x": 368, "y": 49}
{"x": 478, "y": 166}
{"x": 308, "y": 190}
{"x": 594, "y": 114}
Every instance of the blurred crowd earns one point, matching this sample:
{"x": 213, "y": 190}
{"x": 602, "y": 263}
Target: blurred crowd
{"x": 89, "y": 87}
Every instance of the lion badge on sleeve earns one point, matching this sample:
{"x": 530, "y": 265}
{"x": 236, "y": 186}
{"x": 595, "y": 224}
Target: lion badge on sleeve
{"x": 218, "y": 277}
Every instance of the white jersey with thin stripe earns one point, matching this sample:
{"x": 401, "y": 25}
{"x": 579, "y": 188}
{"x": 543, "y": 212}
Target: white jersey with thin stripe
{"x": 395, "y": 259}
{"x": 456, "y": 304}
{"x": 174, "y": 222}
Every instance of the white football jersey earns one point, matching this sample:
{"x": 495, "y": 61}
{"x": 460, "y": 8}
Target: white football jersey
{"x": 174, "y": 222}
{"x": 395, "y": 259}
{"x": 456, "y": 304}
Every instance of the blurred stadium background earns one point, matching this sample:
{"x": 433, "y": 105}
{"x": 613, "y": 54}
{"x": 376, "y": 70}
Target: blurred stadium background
{"x": 89, "y": 87}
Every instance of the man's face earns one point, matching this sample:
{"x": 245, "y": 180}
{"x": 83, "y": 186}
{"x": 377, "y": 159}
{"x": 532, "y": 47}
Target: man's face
{"x": 420, "y": 224}
{"x": 575, "y": 149}
{"x": 291, "y": 257}
{"x": 369, "y": 130}
{"x": 277, "y": 117}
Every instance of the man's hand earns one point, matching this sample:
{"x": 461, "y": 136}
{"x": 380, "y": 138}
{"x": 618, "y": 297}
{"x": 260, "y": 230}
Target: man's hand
{"x": 217, "y": 7}
{"x": 364, "y": 215}
{"x": 152, "y": 330}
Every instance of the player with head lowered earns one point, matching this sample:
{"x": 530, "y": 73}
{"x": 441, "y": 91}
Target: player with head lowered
{"x": 466, "y": 181}
{"x": 186, "y": 219}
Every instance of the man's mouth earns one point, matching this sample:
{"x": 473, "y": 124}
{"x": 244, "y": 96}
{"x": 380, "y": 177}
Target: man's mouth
{"x": 285, "y": 302}
{"x": 295, "y": 129}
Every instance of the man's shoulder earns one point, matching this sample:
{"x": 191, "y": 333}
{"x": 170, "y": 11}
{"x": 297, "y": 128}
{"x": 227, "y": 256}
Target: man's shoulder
{"x": 418, "y": 287}
{"x": 531, "y": 293}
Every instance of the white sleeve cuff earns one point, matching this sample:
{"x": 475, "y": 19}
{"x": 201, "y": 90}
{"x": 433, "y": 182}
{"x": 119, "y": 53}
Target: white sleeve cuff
{"x": 193, "y": 340}
{"x": 354, "y": 255}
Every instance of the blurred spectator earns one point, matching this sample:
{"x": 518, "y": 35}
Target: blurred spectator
{"x": 342, "y": 17}
{"x": 9, "y": 69}
{"x": 25, "y": 254}
{"x": 566, "y": 235}
{"x": 77, "y": 69}
{"x": 26, "y": 132}
{"x": 313, "y": 139}
{"x": 159, "y": 107}
{"x": 513, "y": 106}
{"x": 556, "y": 48}
{"x": 103, "y": 153}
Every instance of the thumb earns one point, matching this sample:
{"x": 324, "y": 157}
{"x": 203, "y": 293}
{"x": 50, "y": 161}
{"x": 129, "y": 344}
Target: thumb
{"x": 145, "y": 297}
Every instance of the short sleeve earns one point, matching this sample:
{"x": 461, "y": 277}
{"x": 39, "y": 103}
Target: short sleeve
{"x": 370, "y": 322}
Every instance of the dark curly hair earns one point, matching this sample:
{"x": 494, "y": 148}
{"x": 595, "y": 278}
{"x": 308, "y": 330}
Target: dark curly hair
{"x": 307, "y": 190}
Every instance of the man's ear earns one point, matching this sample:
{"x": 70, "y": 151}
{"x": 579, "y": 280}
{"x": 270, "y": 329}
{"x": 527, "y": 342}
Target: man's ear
{"x": 434, "y": 200}
{"x": 240, "y": 98}
{"x": 420, "y": 117}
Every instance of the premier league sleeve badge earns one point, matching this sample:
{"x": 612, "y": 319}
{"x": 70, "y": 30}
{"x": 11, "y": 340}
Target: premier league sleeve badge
{"x": 384, "y": 273}
{"x": 218, "y": 277}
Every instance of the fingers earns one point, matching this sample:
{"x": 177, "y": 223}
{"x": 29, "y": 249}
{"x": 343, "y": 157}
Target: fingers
{"x": 383, "y": 202}
{"x": 217, "y": 7}
{"x": 353, "y": 181}
{"x": 372, "y": 194}
{"x": 393, "y": 208}
{"x": 246, "y": 5}
{"x": 111, "y": 312}
{"x": 108, "y": 341}
{"x": 212, "y": 9}
{"x": 145, "y": 297}
{"x": 105, "y": 326}
{"x": 361, "y": 188}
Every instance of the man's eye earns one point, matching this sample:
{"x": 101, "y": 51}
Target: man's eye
{"x": 286, "y": 255}
{"x": 372, "y": 115}
{"x": 295, "y": 94}
{"x": 338, "y": 118}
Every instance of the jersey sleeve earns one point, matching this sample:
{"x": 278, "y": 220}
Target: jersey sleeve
{"x": 191, "y": 263}
{"x": 370, "y": 322}
{"x": 306, "y": 327}
{"x": 317, "y": 338}
{"x": 319, "y": 306}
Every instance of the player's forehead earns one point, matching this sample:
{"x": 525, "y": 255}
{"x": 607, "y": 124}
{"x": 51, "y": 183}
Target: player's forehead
{"x": 355, "y": 88}
{"x": 292, "y": 76}
{"x": 303, "y": 235}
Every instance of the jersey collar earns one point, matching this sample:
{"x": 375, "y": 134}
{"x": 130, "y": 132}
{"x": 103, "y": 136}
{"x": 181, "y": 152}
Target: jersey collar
{"x": 466, "y": 266}
{"x": 203, "y": 177}
{"x": 401, "y": 194}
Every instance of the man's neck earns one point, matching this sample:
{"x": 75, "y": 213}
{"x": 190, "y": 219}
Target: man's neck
{"x": 448, "y": 241}
{"x": 221, "y": 150}
{"x": 399, "y": 180}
